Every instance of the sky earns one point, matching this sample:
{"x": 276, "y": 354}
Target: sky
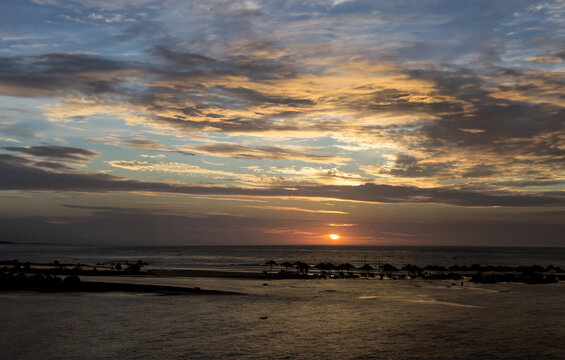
{"x": 157, "y": 122}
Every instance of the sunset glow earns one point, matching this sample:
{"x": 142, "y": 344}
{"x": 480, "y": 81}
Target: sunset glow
{"x": 140, "y": 122}
{"x": 334, "y": 236}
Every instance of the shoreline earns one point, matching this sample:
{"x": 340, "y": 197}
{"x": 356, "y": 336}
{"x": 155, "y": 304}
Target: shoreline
{"x": 12, "y": 269}
{"x": 73, "y": 284}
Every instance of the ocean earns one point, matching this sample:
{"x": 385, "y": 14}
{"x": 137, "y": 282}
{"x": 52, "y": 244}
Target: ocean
{"x": 290, "y": 319}
{"x": 253, "y": 258}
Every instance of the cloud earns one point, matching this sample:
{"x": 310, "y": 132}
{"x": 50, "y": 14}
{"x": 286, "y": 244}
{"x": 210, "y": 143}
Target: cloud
{"x": 283, "y": 231}
{"x": 44, "y": 2}
{"x": 249, "y": 180}
{"x": 549, "y": 57}
{"x": 21, "y": 174}
{"x": 167, "y": 167}
{"x": 106, "y": 5}
{"x": 137, "y": 142}
{"x": 481, "y": 171}
{"x": 55, "y": 152}
{"x": 319, "y": 175}
{"x": 409, "y": 166}
{"x": 289, "y": 208}
{"x": 54, "y": 74}
{"x": 448, "y": 111}
{"x": 239, "y": 151}
{"x": 9, "y": 140}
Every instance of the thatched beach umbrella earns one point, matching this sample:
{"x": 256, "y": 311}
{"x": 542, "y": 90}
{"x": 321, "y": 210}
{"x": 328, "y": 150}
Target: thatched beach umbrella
{"x": 408, "y": 268}
{"x": 330, "y": 267}
{"x": 321, "y": 266}
{"x": 366, "y": 268}
{"x": 388, "y": 269}
{"x": 412, "y": 269}
{"x": 302, "y": 267}
{"x": 347, "y": 267}
{"x": 286, "y": 265}
{"x": 271, "y": 263}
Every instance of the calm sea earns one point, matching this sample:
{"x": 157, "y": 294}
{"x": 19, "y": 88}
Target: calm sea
{"x": 253, "y": 257}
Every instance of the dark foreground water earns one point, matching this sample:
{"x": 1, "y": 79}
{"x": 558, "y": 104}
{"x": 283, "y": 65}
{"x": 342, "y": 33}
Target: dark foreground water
{"x": 292, "y": 319}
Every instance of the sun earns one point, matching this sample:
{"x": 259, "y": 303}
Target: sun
{"x": 334, "y": 236}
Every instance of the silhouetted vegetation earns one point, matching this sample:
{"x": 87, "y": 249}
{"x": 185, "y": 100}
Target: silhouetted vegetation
{"x": 19, "y": 281}
{"x": 67, "y": 269}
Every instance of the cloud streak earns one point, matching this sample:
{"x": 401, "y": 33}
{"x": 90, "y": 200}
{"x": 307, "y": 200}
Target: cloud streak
{"x": 22, "y": 174}
{"x": 54, "y": 152}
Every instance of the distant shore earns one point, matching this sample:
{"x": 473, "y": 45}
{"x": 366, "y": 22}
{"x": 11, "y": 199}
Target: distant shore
{"x": 10, "y": 282}
{"x": 10, "y": 270}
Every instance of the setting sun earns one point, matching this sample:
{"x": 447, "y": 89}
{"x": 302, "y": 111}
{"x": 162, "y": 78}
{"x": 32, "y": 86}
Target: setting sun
{"x": 334, "y": 236}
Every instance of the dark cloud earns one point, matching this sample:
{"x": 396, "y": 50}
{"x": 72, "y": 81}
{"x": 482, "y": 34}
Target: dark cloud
{"x": 527, "y": 183}
{"x": 56, "y": 152}
{"x": 139, "y": 142}
{"x": 191, "y": 65}
{"x": 180, "y": 77}
{"x": 50, "y": 74}
{"x": 409, "y": 166}
{"x": 180, "y": 58}
{"x": 233, "y": 124}
{"x": 549, "y": 57}
{"x": 399, "y": 102}
{"x": 115, "y": 210}
{"x": 500, "y": 127}
{"x": 479, "y": 171}
{"x": 53, "y": 166}
{"x": 144, "y": 31}
{"x": 21, "y": 174}
{"x": 255, "y": 97}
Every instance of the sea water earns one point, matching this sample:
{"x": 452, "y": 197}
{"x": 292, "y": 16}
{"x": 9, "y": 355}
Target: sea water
{"x": 293, "y": 319}
{"x": 253, "y": 258}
